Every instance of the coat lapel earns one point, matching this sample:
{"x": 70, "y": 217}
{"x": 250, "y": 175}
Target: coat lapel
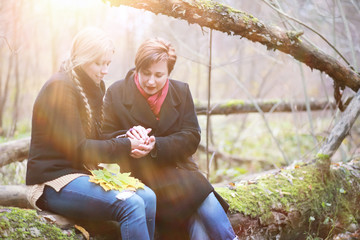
{"x": 137, "y": 105}
{"x": 141, "y": 112}
{"x": 169, "y": 112}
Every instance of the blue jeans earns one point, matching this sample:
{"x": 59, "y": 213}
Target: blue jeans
{"x": 211, "y": 222}
{"x": 82, "y": 199}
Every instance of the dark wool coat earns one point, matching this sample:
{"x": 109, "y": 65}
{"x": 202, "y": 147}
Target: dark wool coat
{"x": 169, "y": 169}
{"x": 59, "y": 145}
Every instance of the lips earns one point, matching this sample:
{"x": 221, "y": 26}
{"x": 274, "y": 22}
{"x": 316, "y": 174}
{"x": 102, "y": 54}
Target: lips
{"x": 150, "y": 88}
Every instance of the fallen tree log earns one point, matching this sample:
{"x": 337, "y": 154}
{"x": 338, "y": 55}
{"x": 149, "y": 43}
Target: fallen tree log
{"x": 241, "y": 106}
{"x": 14, "y": 151}
{"x": 19, "y": 223}
{"x": 296, "y": 202}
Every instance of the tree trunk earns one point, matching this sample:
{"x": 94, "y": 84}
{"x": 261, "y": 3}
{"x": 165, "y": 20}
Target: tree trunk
{"x": 223, "y": 18}
{"x": 4, "y": 93}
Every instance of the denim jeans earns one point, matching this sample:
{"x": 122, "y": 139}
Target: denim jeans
{"x": 82, "y": 199}
{"x": 211, "y": 222}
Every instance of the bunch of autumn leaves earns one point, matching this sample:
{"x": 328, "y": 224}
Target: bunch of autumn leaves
{"x": 115, "y": 181}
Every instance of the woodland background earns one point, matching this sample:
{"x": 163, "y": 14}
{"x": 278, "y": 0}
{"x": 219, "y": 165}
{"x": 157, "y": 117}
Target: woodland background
{"x": 255, "y": 158}
{"x": 35, "y": 36}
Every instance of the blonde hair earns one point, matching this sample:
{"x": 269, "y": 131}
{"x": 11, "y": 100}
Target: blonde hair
{"x": 87, "y": 46}
{"x": 155, "y": 50}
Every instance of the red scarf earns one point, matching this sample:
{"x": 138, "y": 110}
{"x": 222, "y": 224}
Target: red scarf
{"x": 155, "y": 101}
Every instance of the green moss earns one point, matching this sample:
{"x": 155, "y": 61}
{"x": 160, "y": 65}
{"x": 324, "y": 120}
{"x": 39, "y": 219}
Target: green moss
{"x": 234, "y": 102}
{"x": 206, "y": 4}
{"x": 16, "y": 223}
{"x": 322, "y": 156}
{"x": 302, "y": 189}
{"x": 222, "y": 8}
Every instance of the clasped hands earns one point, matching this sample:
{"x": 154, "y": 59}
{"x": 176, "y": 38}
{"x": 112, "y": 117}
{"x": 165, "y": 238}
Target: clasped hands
{"x": 141, "y": 142}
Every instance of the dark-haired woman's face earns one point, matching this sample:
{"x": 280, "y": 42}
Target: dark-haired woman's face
{"x": 153, "y": 78}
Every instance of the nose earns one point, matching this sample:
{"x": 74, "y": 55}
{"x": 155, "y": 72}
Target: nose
{"x": 151, "y": 80}
{"x": 105, "y": 69}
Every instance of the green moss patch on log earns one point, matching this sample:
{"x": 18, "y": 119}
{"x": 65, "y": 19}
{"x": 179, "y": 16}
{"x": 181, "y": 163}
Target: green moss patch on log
{"x": 17, "y": 223}
{"x": 305, "y": 196}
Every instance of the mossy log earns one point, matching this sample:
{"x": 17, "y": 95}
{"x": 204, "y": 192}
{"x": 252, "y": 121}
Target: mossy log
{"x": 296, "y": 202}
{"x": 287, "y": 204}
{"x": 267, "y": 106}
{"x": 20, "y": 223}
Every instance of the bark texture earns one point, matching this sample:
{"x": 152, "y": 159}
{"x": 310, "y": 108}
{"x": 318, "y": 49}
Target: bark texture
{"x": 226, "y": 19}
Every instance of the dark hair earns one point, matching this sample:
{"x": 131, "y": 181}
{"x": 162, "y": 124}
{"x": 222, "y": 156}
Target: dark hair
{"x": 153, "y": 51}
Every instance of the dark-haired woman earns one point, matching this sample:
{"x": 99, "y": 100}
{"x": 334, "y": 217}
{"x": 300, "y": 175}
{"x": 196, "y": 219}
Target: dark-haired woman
{"x": 163, "y": 112}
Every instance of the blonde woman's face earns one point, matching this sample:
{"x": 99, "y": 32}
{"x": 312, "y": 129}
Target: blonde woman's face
{"x": 153, "y": 78}
{"x": 97, "y": 69}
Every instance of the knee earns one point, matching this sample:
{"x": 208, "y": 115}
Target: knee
{"x": 135, "y": 202}
{"x": 149, "y": 197}
{"x": 133, "y": 206}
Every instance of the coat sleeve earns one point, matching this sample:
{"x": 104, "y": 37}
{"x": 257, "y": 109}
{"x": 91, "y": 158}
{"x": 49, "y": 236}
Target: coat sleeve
{"x": 57, "y": 123}
{"x": 112, "y": 124}
{"x": 181, "y": 144}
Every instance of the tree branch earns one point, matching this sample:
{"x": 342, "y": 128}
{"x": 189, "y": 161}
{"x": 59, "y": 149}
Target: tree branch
{"x": 341, "y": 129}
{"x": 239, "y": 106}
{"x": 235, "y": 22}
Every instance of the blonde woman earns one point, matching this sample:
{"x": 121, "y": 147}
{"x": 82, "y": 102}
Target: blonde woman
{"x": 66, "y": 141}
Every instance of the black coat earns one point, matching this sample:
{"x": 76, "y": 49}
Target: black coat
{"x": 169, "y": 169}
{"x": 59, "y": 145}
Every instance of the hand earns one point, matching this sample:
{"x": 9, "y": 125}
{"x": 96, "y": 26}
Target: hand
{"x": 136, "y": 143}
{"x": 139, "y": 132}
{"x": 143, "y": 149}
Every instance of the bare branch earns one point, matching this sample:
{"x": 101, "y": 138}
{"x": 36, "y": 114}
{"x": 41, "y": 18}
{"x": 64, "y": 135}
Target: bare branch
{"x": 235, "y": 22}
{"x": 311, "y": 29}
{"x": 341, "y": 129}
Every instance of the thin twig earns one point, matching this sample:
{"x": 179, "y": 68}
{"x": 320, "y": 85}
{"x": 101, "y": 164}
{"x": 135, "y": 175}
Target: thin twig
{"x": 347, "y": 30}
{"x": 308, "y": 109}
{"x": 208, "y": 125}
{"x": 310, "y": 28}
